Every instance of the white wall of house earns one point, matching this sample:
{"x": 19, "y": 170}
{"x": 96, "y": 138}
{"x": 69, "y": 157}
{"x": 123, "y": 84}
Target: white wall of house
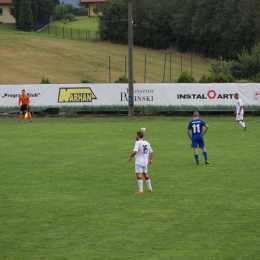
{"x": 5, "y": 16}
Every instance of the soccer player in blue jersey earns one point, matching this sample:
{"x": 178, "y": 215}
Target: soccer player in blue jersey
{"x": 196, "y": 127}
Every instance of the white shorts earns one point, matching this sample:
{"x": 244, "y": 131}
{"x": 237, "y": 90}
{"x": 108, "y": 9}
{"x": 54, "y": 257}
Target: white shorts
{"x": 141, "y": 169}
{"x": 239, "y": 117}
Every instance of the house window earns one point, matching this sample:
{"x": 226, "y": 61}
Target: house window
{"x": 98, "y": 8}
{"x": 1, "y": 11}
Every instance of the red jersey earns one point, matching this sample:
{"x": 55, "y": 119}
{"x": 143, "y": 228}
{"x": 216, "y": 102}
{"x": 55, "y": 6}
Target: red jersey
{"x": 24, "y": 99}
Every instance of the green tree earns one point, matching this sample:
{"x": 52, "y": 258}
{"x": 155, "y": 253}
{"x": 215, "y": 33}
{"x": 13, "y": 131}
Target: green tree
{"x": 15, "y": 10}
{"x": 210, "y": 27}
{"x": 152, "y": 28}
{"x": 46, "y": 8}
{"x": 113, "y": 22}
{"x": 26, "y": 16}
{"x": 181, "y": 23}
{"x": 34, "y": 7}
{"x": 41, "y": 9}
{"x": 62, "y": 10}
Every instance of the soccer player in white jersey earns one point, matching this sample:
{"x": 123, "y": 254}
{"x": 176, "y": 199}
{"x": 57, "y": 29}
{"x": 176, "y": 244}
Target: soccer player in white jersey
{"x": 143, "y": 156}
{"x": 239, "y": 111}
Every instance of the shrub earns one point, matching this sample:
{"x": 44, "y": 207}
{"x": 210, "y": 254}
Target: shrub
{"x": 221, "y": 66}
{"x": 70, "y": 17}
{"x": 86, "y": 81}
{"x": 185, "y": 77}
{"x": 218, "y": 78}
{"x": 45, "y": 81}
{"x": 257, "y": 78}
{"x": 123, "y": 79}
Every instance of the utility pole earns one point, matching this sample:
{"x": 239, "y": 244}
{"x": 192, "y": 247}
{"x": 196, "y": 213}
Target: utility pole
{"x": 130, "y": 62}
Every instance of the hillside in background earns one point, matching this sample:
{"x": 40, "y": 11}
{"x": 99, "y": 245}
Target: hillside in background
{"x": 27, "y": 57}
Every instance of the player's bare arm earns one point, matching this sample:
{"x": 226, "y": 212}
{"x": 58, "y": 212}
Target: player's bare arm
{"x": 150, "y": 162}
{"x": 240, "y": 109}
{"x": 132, "y": 155}
{"x": 188, "y": 132}
{"x": 206, "y": 129}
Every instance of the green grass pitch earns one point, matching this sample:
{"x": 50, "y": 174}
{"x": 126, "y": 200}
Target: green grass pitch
{"x": 67, "y": 191}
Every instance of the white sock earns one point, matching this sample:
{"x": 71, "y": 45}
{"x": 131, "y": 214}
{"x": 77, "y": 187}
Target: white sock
{"x": 241, "y": 123}
{"x": 140, "y": 184}
{"x": 244, "y": 124}
{"x": 149, "y": 185}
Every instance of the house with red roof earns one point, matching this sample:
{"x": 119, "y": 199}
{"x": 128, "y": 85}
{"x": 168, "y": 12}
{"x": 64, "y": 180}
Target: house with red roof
{"x": 5, "y": 16}
{"x": 94, "y": 7}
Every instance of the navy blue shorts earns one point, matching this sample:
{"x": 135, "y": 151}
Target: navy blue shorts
{"x": 197, "y": 143}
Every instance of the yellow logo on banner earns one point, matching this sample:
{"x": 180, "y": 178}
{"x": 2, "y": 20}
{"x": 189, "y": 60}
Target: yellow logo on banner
{"x": 67, "y": 95}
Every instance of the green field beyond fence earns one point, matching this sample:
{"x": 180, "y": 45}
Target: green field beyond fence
{"x": 84, "y": 28}
{"x": 70, "y": 33}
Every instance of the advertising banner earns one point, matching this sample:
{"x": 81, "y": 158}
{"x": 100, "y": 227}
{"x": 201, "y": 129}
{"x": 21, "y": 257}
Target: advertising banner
{"x": 217, "y": 94}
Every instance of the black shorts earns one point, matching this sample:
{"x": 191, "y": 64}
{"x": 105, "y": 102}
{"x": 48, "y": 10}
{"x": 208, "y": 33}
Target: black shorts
{"x": 23, "y": 108}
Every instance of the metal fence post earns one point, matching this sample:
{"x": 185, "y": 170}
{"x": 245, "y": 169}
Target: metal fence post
{"x": 144, "y": 67}
{"x": 164, "y": 67}
{"x": 191, "y": 62}
{"x": 170, "y": 67}
{"x": 181, "y": 62}
{"x": 125, "y": 66}
{"x": 109, "y": 72}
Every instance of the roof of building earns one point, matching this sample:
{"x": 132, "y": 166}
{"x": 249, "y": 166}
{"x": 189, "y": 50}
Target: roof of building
{"x": 6, "y": 2}
{"x": 91, "y": 1}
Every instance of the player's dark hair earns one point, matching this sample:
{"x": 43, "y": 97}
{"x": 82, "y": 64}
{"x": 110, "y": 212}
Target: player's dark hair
{"x": 140, "y": 134}
{"x": 23, "y": 89}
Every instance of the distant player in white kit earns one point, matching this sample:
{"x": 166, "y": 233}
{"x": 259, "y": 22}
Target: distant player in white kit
{"x": 143, "y": 156}
{"x": 239, "y": 111}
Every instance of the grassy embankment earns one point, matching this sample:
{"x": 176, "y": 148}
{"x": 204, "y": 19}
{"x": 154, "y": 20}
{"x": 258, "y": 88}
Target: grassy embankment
{"x": 27, "y": 57}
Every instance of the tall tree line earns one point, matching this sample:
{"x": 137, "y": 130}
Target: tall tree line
{"x": 26, "y": 12}
{"x": 210, "y": 27}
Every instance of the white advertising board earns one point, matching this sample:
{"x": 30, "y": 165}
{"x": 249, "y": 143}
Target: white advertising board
{"x": 144, "y": 94}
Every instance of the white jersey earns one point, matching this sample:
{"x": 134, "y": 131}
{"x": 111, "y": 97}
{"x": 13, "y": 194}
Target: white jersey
{"x": 239, "y": 104}
{"x": 143, "y": 150}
